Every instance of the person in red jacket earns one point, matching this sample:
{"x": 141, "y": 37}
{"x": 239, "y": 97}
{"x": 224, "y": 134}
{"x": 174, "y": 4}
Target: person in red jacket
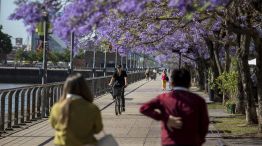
{"x": 183, "y": 114}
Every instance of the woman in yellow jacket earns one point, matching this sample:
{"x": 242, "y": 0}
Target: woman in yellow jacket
{"x": 75, "y": 118}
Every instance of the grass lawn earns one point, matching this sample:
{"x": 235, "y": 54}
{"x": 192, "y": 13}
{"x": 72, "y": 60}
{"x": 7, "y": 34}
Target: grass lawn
{"x": 236, "y": 126}
{"x": 215, "y": 105}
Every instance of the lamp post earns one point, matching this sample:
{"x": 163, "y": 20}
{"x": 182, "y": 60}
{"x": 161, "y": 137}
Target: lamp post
{"x": 105, "y": 62}
{"x": 121, "y": 60}
{"x": 116, "y": 57}
{"x": 94, "y": 61}
{"x": 130, "y": 62}
{"x": 126, "y": 61}
{"x": 143, "y": 61}
{"x": 45, "y": 45}
{"x": 44, "y": 111}
{"x": 136, "y": 61}
{"x": 71, "y": 66}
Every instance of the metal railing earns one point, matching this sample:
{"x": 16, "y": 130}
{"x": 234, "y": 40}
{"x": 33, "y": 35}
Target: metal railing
{"x": 30, "y": 66}
{"x": 26, "y": 104}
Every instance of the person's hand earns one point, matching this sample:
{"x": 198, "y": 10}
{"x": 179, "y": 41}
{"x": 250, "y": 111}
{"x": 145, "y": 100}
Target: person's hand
{"x": 174, "y": 122}
{"x": 110, "y": 84}
{"x": 126, "y": 85}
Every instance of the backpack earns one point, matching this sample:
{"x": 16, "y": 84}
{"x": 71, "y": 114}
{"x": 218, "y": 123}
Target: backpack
{"x": 167, "y": 79}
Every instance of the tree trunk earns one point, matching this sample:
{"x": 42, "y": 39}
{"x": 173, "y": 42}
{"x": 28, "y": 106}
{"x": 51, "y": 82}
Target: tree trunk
{"x": 243, "y": 53}
{"x": 217, "y": 61}
{"x": 214, "y": 67}
{"x": 240, "y": 103}
{"x": 206, "y": 80}
{"x": 201, "y": 75}
{"x": 258, "y": 45}
{"x": 227, "y": 58}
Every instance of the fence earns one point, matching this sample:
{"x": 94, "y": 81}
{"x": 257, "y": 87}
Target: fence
{"x": 26, "y": 104}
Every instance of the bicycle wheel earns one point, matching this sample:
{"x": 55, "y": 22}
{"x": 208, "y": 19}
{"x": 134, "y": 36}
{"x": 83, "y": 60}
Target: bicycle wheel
{"x": 116, "y": 105}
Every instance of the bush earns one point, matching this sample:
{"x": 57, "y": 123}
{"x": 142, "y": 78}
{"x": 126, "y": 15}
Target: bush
{"x": 227, "y": 83}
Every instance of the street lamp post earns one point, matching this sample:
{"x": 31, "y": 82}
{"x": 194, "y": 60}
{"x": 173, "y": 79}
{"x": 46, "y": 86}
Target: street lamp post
{"x": 71, "y": 66}
{"x": 121, "y": 60}
{"x": 105, "y": 63}
{"x": 130, "y": 62}
{"x": 143, "y": 61}
{"x": 137, "y": 62}
{"x": 94, "y": 61}
{"x": 134, "y": 62}
{"x": 45, "y": 45}
{"x": 116, "y": 58}
{"x": 44, "y": 111}
{"x": 126, "y": 61}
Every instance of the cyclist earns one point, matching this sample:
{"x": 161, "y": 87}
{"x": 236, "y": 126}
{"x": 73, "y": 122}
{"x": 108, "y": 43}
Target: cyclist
{"x": 119, "y": 79}
{"x": 147, "y": 73}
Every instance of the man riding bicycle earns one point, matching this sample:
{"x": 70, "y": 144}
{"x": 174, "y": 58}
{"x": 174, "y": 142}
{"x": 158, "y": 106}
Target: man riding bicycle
{"x": 119, "y": 80}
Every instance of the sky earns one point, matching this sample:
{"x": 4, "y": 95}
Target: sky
{"x": 16, "y": 29}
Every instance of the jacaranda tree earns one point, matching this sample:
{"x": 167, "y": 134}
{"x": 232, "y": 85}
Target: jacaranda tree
{"x": 206, "y": 33}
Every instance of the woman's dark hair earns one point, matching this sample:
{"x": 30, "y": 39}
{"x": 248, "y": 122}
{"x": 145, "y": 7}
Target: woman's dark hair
{"x": 181, "y": 78}
{"x": 74, "y": 84}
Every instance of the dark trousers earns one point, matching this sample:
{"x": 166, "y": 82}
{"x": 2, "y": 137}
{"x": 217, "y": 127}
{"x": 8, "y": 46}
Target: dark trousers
{"x": 123, "y": 97}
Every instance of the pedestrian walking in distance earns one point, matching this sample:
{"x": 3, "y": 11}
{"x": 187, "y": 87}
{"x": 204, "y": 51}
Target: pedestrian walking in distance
{"x": 183, "y": 114}
{"x": 164, "y": 79}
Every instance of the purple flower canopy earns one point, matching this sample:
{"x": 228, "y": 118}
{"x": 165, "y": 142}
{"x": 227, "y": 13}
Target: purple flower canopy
{"x": 31, "y": 12}
{"x": 141, "y": 26}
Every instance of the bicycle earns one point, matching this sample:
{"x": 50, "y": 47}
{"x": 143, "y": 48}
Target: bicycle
{"x": 117, "y": 92}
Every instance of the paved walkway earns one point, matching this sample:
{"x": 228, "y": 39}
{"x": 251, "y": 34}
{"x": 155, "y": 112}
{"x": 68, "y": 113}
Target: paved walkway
{"x": 130, "y": 129}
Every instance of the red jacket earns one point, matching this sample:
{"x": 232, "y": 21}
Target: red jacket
{"x": 180, "y": 103}
{"x": 163, "y": 76}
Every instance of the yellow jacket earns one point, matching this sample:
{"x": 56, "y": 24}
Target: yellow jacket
{"x": 84, "y": 121}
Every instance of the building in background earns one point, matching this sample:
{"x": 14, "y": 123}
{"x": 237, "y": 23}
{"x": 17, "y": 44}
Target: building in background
{"x": 54, "y": 43}
{"x": 18, "y": 42}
